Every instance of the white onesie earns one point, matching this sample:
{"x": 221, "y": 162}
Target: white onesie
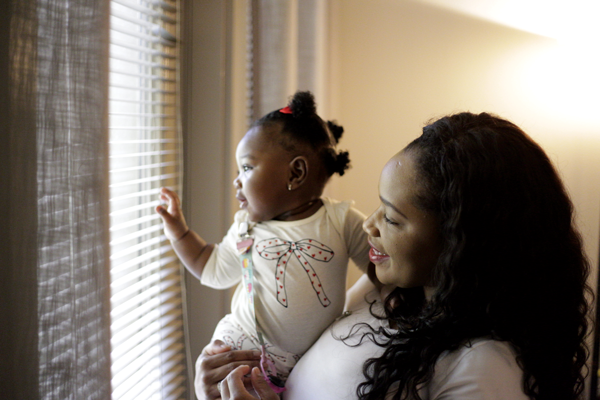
{"x": 299, "y": 279}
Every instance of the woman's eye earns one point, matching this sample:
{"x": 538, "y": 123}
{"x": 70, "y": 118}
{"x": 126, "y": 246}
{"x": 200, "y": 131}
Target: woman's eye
{"x": 246, "y": 168}
{"x": 389, "y": 221}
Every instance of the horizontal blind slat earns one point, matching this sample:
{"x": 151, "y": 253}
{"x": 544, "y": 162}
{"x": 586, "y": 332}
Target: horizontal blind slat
{"x": 142, "y": 167}
{"x": 156, "y": 178}
{"x": 140, "y": 76}
{"x": 146, "y": 141}
{"x": 176, "y": 387}
{"x": 124, "y": 374}
{"x": 143, "y": 302}
{"x": 142, "y": 102}
{"x": 144, "y": 385}
{"x": 142, "y": 330}
{"x": 143, "y": 246}
{"x": 146, "y": 10}
{"x": 152, "y": 192}
{"x": 150, "y": 179}
{"x": 142, "y": 270}
{"x": 138, "y": 234}
{"x": 141, "y": 115}
{"x": 144, "y": 154}
{"x": 127, "y": 291}
{"x": 135, "y": 334}
{"x": 143, "y": 128}
{"x": 135, "y": 61}
{"x": 142, "y": 50}
{"x": 156, "y": 34}
{"x": 164, "y": 5}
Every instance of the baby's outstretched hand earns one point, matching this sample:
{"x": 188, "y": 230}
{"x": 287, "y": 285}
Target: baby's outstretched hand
{"x": 175, "y": 226}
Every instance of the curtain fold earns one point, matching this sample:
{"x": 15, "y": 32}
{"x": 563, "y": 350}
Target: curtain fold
{"x": 18, "y": 273}
{"x": 287, "y": 52}
{"x": 55, "y": 274}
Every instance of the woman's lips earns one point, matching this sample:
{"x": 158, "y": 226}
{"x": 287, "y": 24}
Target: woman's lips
{"x": 377, "y": 256}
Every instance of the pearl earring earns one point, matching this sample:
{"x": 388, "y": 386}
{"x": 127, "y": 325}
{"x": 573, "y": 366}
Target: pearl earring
{"x": 290, "y": 187}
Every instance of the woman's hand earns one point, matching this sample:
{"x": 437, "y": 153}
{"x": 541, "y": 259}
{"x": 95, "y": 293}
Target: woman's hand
{"x": 215, "y": 362}
{"x": 175, "y": 225}
{"x": 233, "y": 387}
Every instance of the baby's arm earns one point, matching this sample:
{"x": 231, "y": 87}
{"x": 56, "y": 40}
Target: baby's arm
{"x": 192, "y": 250}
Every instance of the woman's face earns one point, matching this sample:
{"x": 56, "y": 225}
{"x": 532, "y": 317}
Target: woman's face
{"x": 405, "y": 239}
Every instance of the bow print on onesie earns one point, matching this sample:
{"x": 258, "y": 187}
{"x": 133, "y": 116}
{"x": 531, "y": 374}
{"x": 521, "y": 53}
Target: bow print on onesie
{"x": 303, "y": 250}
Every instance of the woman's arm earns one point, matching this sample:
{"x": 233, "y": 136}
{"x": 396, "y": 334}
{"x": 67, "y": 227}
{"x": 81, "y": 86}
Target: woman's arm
{"x": 356, "y": 294}
{"x": 486, "y": 369}
{"x": 233, "y": 388}
{"x": 215, "y": 362}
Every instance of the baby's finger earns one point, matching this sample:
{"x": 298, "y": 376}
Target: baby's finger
{"x": 165, "y": 215}
{"x": 166, "y": 198}
{"x": 233, "y": 386}
{"x": 167, "y": 191}
{"x": 261, "y": 386}
{"x": 170, "y": 195}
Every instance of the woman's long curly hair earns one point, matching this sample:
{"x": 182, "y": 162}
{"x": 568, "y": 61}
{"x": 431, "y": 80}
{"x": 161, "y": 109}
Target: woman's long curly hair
{"x": 512, "y": 265}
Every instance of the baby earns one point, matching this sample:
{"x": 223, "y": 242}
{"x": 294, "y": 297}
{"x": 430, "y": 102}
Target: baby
{"x": 288, "y": 248}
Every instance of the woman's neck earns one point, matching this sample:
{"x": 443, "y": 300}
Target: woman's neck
{"x": 302, "y": 211}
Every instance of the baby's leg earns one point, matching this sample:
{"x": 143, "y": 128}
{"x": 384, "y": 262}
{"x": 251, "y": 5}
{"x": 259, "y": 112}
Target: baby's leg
{"x": 235, "y": 336}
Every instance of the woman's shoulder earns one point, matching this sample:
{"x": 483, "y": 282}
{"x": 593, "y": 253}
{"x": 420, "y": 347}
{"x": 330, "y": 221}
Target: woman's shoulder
{"x": 481, "y": 352}
{"x": 483, "y": 368}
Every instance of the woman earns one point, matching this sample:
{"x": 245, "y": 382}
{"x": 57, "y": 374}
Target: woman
{"x": 475, "y": 238}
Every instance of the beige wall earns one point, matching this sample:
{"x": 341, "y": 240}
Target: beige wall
{"x": 396, "y": 64}
{"x": 206, "y": 198}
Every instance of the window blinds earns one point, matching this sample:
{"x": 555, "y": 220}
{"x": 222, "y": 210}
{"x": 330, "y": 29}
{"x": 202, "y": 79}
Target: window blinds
{"x": 148, "y": 356}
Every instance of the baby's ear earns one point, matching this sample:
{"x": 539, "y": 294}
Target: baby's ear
{"x": 298, "y": 172}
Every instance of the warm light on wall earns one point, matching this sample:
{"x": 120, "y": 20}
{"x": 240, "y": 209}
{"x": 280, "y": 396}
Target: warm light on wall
{"x": 565, "y": 80}
{"x": 558, "y": 19}
{"x": 578, "y": 22}
{"x": 577, "y": 60}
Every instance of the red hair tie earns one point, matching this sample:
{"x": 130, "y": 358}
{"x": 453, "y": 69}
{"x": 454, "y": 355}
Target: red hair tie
{"x": 286, "y": 110}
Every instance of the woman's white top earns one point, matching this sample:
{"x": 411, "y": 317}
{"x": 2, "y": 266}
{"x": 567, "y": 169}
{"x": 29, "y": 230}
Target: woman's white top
{"x": 332, "y": 370}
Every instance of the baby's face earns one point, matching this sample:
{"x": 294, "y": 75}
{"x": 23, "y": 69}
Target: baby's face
{"x": 263, "y": 172}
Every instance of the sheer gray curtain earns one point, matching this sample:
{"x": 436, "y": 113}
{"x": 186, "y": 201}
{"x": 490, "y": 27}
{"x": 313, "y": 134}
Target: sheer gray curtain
{"x": 287, "y": 52}
{"x": 54, "y": 313}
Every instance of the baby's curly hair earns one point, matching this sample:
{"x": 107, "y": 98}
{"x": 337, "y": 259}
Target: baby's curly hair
{"x": 300, "y": 125}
